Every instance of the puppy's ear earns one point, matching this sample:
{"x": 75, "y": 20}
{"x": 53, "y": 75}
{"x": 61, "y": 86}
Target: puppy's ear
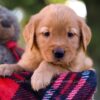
{"x": 29, "y": 32}
{"x": 85, "y": 33}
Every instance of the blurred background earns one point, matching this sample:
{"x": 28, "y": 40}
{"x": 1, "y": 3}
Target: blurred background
{"x": 88, "y": 9}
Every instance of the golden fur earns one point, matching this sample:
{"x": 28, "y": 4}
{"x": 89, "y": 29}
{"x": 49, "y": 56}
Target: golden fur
{"x": 58, "y": 20}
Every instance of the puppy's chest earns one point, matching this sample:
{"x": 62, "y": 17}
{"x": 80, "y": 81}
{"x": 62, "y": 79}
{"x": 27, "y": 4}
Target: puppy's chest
{"x": 6, "y": 55}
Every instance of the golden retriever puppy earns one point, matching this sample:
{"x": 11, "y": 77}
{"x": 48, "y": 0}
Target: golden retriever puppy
{"x": 56, "y": 41}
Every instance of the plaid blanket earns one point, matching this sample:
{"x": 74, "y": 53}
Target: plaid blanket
{"x": 66, "y": 86}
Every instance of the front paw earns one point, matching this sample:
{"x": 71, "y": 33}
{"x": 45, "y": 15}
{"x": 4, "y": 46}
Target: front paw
{"x": 40, "y": 80}
{"x": 5, "y": 70}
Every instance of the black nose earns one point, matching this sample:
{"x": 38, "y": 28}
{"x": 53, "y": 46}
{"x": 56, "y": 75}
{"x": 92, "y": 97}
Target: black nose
{"x": 6, "y": 23}
{"x": 58, "y": 53}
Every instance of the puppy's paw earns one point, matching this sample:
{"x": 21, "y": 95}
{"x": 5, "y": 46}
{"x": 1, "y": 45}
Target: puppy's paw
{"x": 5, "y": 70}
{"x": 40, "y": 80}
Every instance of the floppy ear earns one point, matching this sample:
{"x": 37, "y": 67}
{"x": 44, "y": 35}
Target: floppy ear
{"x": 29, "y": 32}
{"x": 85, "y": 33}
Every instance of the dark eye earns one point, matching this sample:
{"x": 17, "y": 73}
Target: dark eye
{"x": 46, "y": 34}
{"x": 70, "y": 34}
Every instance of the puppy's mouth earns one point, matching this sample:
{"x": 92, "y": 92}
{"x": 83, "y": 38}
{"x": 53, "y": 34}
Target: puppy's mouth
{"x": 58, "y": 62}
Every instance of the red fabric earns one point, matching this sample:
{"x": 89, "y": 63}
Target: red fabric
{"x": 72, "y": 77}
{"x": 8, "y": 88}
{"x": 18, "y": 76}
{"x": 76, "y": 86}
{"x": 12, "y": 45}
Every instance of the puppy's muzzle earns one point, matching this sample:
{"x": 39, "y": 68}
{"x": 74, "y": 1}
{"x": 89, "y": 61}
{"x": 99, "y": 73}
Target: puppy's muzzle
{"x": 58, "y": 53}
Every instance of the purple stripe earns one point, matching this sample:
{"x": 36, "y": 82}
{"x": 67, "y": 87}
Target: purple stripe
{"x": 76, "y": 89}
{"x": 54, "y": 87}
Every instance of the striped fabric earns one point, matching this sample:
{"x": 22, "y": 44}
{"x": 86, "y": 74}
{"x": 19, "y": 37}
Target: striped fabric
{"x": 66, "y": 86}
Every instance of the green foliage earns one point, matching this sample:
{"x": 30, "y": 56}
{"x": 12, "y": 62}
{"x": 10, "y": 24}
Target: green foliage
{"x": 55, "y": 1}
{"x": 30, "y": 6}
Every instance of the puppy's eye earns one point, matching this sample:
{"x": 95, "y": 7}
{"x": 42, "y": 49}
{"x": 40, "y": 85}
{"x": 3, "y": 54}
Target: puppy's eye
{"x": 46, "y": 34}
{"x": 70, "y": 34}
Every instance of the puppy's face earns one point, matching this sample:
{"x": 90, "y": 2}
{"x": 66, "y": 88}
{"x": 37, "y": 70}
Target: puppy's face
{"x": 58, "y": 39}
{"x": 59, "y": 35}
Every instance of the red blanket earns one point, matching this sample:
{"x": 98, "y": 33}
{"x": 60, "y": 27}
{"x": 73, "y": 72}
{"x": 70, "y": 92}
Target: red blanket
{"x": 66, "y": 86}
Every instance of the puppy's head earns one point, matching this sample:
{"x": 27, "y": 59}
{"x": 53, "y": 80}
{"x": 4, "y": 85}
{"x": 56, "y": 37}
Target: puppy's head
{"x": 58, "y": 34}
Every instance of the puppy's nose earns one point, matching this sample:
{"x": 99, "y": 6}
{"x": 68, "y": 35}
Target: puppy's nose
{"x": 6, "y": 23}
{"x": 58, "y": 53}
